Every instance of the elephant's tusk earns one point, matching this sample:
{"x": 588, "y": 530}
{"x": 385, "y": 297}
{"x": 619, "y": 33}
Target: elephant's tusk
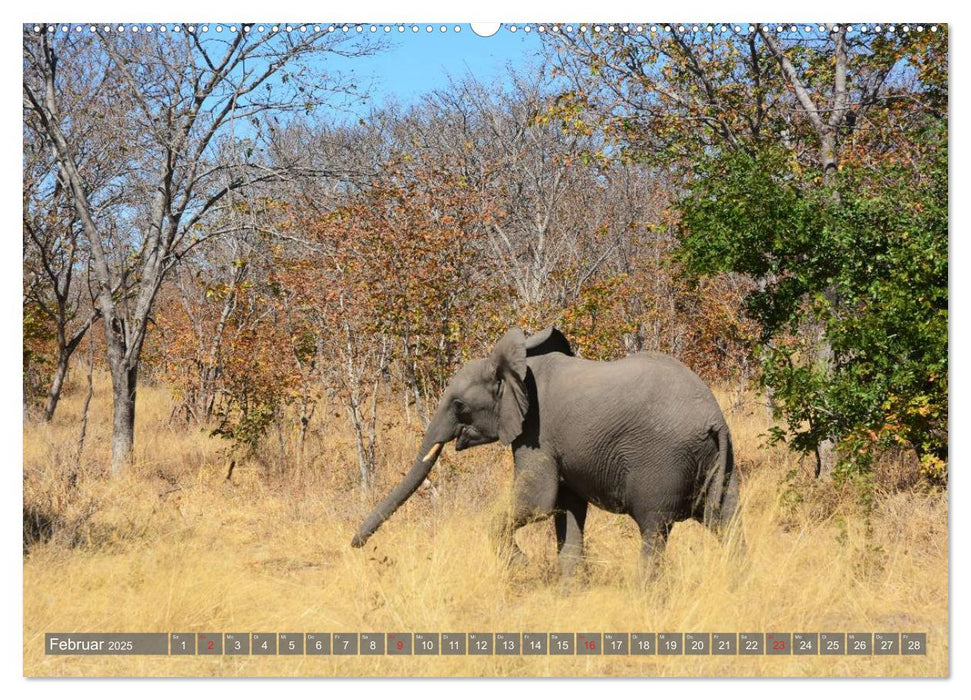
{"x": 433, "y": 453}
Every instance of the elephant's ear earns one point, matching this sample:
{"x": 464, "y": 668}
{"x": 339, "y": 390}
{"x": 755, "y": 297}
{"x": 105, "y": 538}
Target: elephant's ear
{"x": 546, "y": 341}
{"x": 509, "y": 361}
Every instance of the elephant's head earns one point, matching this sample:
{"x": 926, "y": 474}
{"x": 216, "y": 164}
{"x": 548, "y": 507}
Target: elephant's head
{"x": 484, "y": 402}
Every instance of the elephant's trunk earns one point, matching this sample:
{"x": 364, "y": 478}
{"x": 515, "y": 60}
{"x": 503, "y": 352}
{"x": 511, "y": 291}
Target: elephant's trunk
{"x": 435, "y": 438}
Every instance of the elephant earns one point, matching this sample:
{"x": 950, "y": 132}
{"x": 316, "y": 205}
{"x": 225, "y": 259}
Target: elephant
{"x": 642, "y": 435}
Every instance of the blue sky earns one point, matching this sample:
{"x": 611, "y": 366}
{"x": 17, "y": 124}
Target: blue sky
{"x": 413, "y": 64}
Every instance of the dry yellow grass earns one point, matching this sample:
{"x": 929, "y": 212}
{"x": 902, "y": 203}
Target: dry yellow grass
{"x": 173, "y": 547}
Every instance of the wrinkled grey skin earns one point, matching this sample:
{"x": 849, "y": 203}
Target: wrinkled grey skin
{"x": 642, "y": 436}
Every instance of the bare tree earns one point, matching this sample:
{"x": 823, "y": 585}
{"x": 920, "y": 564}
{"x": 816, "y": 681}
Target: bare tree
{"x": 559, "y": 218}
{"x": 56, "y": 254}
{"x": 53, "y": 259}
{"x": 216, "y": 278}
{"x": 184, "y": 92}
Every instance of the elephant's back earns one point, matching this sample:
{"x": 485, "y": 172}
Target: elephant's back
{"x": 666, "y": 376}
{"x": 644, "y": 380}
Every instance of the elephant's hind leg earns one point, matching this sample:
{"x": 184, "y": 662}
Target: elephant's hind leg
{"x": 655, "y": 528}
{"x": 569, "y": 518}
{"x": 725, "y": 521}
{"x": 730, "y": 519}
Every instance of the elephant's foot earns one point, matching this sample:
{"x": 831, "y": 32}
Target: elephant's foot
{"x": 512, "y": 556}
{"x": 649, "y": 571}
{"x": 733, "y": 537}
{"x": 503, "y": 538}
{"x": 570, "y": 564}
{"x": 570, "y": 582}
{"x": 655, "y": 529}
{"x": 517, "y": 560}
{"x": 652, "y": 559}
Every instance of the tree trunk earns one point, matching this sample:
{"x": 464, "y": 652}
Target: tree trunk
{"x": 84, "y": 411}
{"x": 54, "y": 393}
{"x": 364, "y": 463}
{"x": 411, "y": 375}
{"x": 65, "y": 352}
{"x": 306, "y": 413}
{"x": 828, "y": 158}
{"x": 26, "y": 406}
{"x": 123, "y": 381}
{"x": 826, "y": 449}
{"x": 826, "y": 123}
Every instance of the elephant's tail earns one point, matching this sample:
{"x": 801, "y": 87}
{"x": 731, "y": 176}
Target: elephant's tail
{"x": 721, "y": 486}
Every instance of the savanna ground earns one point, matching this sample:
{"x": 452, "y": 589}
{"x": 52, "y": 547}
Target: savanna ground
{"x": 175, "y": 547}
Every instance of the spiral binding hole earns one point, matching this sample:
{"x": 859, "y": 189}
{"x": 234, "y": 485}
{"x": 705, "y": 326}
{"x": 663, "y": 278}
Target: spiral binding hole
{"x": 613, "y": 29}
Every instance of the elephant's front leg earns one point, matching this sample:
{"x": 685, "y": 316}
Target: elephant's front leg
{"x": 535, "y": 486}
{"x": 571, "y": 514}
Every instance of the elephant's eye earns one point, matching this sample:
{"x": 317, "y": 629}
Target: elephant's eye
{"x": 460, "y": 408}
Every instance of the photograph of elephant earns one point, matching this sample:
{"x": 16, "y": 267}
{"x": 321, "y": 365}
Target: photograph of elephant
{"x": 542, "y": 329}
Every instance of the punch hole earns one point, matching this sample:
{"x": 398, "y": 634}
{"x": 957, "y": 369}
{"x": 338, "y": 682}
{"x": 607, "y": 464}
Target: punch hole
{"x": 485, "y": 29}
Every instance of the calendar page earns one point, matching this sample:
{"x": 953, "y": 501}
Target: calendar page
{"x": 525, "y": 349}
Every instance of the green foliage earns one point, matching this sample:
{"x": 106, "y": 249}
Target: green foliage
{"x": 38, "y": 336}
{"x": 857, "y": 273}
{"x": 39, "y": 350}
{"x": 751, "y": 214}
{"x": 892, "y": 352}
{"x": 245, "y": 424}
